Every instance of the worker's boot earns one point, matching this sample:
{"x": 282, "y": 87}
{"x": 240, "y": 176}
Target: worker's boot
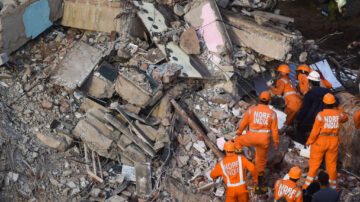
{"x": 260, "y": 188}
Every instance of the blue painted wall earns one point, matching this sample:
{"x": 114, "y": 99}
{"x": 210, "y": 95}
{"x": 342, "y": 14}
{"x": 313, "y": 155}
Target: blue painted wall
{"x": 37, "y": 18}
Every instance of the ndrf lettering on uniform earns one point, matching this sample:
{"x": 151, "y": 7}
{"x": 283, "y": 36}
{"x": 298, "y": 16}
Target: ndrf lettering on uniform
{"x": 232, "y": 168}
{"x": 331, "y": 122}
{"x": 261, "y": 118}
{"x": 285, "y": 190}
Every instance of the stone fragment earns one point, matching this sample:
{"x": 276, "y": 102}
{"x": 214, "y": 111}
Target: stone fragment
{"x": 219, "y": 114}
{"x": 179, "y": 10}
{"x": 143, "y": 179}
{"x": 131, "y": 108}
{"x": 222, "y": 98}
{"x": 189, "y": 41}
{"x": 292, "y": 159}
{"x": 47, "y": 105}
{"x": 3, "y": 58}
{"x": 52, "y": 142}
{"x": 182, "y": 161}
{"x": 303, "y": 57}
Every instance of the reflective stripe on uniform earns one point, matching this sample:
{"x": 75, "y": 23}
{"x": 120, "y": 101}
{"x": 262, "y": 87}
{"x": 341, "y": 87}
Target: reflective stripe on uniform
{"x": 298, "y": 193}
{"x": 284, "y": 80}
{"x": 273, "y": 116}
{"x": 332, "y": 181}
{"x": 331, "y": 134}
{"x": 259, "y": 131}
{"x": 309, "y": 178}
{"x": 307, "y": 183}
{"x": 334, "y": 187}
{"x": 319, "y": 117}
{"x": 289, "y": 93}
{"x": 341, "y": 115}
{"x": 250, "y": 111}
{"x": 229, "y": 184}
{"x": 277, "y": 183}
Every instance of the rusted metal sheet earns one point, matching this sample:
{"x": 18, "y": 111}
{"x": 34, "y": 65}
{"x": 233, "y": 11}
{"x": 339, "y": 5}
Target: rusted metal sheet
{"x": 349, "y": 136}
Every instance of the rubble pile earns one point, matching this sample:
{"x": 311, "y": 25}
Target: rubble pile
{"x": 92, "y": 115}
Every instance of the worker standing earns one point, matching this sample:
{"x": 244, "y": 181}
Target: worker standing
{"x": 285, "y": 89}
{"x": 324, "y": 140}
{"x": 287, "y": 188}
{"x": 261, "y": 121}
{"x": 357, "y": 120}
{"x": 312, "y": 104}
{"x": 325, "y": 83}
{"x": 232, "y": 169}
{"x": 302, "y": 73}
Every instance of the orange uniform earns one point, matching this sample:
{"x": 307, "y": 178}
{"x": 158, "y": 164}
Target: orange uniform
{"x": 292, "y": 99}
{"x": 303, "y": 83}
{"x": 357, "y": 119}
{"x": 324, "y": 140}
{"x": 289, "y": 190}
{"x": 232, "y": 169}
{"x": 261, "y": 121}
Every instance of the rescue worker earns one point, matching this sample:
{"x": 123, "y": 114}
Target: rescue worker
{"x": 302, "y": 72}
{"x": 285, "y": 89}
{"x": 261, "y": 121}
{"x": 357, "y": 120}
{"x": 287, "y": 188}
{"x": 325, "y": 83}
{"x": 324, "y": 140}
{"x": 312, "y": 104}
{"x": 232, "y": 169}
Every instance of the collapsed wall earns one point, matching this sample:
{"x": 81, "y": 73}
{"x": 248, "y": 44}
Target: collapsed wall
{"x": 27, "y": 21}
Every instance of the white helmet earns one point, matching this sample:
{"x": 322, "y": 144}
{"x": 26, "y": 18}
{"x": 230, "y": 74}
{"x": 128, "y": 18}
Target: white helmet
{"x": 314, "y": 76}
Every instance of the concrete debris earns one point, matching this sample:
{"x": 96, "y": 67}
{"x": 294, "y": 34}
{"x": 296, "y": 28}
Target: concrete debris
{"x": 77, "y": 65}
{"x": 143, "y": 179}
{"x": 140, "y": 105}
{"x": 275, "y": 41}
{"x": 189, "y": 41}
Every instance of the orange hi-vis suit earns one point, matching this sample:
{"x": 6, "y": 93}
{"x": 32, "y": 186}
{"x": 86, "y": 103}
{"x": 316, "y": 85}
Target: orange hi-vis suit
{"x": 261, "y": 121}
{"x": 292, "y": 99}
{"x": 232, "y": 169}
{"x": 303, "y": 83}
{"x": 324, "y": 140}
{"x": 357, "y": 119}
{"x": 289, "y": 190}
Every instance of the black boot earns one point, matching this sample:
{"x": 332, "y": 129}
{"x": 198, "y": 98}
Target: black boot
{"x": 260, "y": 188}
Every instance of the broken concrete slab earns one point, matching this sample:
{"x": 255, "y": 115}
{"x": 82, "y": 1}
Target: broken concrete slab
{"x": 135, "y": 153}
{"x": 125, "y": 130}
{"x": 99, "y": 87}
{"x": 27, "y": 21}
{"x": 4, "y": 58}
{"x": 148, "y": 130}
{"x": 89, "y": 104}
{"x": 138, "y": 88}
{"x": 157, "y": 24}
{"x": 86, "y": 14}
{"x": 76, "y": 66}
{"x": 143, "y": 179}
{"x": 95, "y": 139}
{"x": 166, "y": 73}
{"x": 206, "y": 16}
{"x": 51, "y": 141}
{"x": 273, "y": 17}
{"x": 274, "y": 42}
{"x": 189, "y": 41}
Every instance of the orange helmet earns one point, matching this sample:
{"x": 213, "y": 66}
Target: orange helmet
{"x": 284, "y": 68}
{"x": 229, "y": 146}
{"x": 329, "y": 99}
{"x": 295, "y": 173}
{"x": 303, "y": 67}
{"x": 265, "y": 96}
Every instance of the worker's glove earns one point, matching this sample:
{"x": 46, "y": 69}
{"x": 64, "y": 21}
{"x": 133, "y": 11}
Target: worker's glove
{"x": 270, "y": 83}
{"x": 208, "y": 176}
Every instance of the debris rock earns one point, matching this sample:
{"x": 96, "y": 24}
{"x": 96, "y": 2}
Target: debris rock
{"x": 179, "y": 10}
{"x": 52, "y": 142}
{"x": 47, "y": 105}
{"x": 3, "y": 58}
{"x": 303, "y": 57}
{"x": 189, "y": 41}
{"x": 293, "y": 159}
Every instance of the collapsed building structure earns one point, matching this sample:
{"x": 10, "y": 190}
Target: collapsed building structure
{"x": 132, "y": 96}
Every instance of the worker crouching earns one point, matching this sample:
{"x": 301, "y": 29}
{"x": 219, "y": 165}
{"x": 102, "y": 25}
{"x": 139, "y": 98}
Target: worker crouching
{"x": 324, "y": 140}
{"x": 288, "y": 189}
{"x": 261, "y": 121}
{"x": 232, "y": 169}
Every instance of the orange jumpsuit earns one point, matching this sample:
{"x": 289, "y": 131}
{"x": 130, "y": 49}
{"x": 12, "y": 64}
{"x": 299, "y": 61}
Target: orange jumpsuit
{"x": 303, "y": 83}
{"x": 261, "y": 121}
{"x": 357, "y": 119}
{"x": 324, "y": 140}
{"x": 292, "y": 99}
{"x": 323, "y": 81}
{"x": 232, "y": 169}
{"x": 289, "y": 190}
